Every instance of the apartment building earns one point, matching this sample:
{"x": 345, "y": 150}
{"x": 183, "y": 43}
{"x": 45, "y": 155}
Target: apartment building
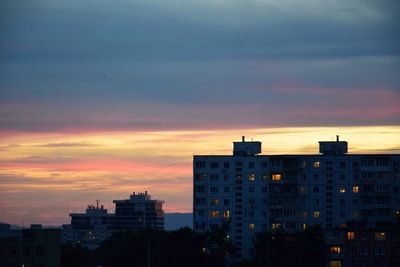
{"x": 137, "y": 212}
{"x": 264, "y": 192}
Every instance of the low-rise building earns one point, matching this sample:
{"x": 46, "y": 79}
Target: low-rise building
{"x": 34, "y": 247}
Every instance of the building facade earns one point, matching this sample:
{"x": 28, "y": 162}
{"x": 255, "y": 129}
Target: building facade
{"x": 265, "y": 192}
{"x": 36, "y": 246}
{"x": 96, "y": 224}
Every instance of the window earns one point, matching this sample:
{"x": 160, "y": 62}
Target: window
{"x": 200, "y": 164}
{"x": 214, "y": 214}
{"x": 251, "y": 165}
{"x": 214, "y": 201}
{"x": 251, "y": 189}
{"x": 316, "y": 164}
{"x": 342, "y": 190}
{"x": 214, "y": 165}
{"x": 315, "y": 189}
{"x": 226, "y": 165}
{"x": 252, "y": 177}
{"x": 355, "y": 189}
{"x": 200, "y": 201}
{"x": 350, "y": 235}
{"x": 226, "y": 189}
{"x": 380, "y": 236}
{"x": 200, "y": 213}
{"x": 199, "y": 188}
{"x": 276, "y": 176}
{"x": 364, "y": 251}
{"x": 227, "y": 214}
{"x": 214, "y": 189}
{"x": 264, "y": 177}
{"x": 251, "y": 226}
{"x": 251, "y": 201}
{"x": 275, "y": 226}
{"x": 200, "y": 176}
{"x": 316, "y": 214}
{"x": 264, "y": 164}
{"x": 335, "y": 249}
{"x": 226, "y": 202}
{"x": 226, "y": 177}
{"x": 214, "y": 178}
{"x": 264, "y": 189}
{"x": 39, "y": 250}
{"x": 380, "y": 251}
{"x": 342, "y": 165}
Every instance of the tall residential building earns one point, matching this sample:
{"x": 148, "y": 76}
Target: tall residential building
{"x": 96, "y": 224}
{"x": 264, "y": 192}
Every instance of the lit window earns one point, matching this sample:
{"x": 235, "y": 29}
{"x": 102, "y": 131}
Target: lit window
{"x": 252, "y": 177}
{"x": 350, "y": 235}
{"x": 355, "y": 189}
{"x": 227, "y": 214}
{"x": 317, "y": 164}
{"x": 316, "y": 214}
{"x": 335, "y": 249}
{"x": 214, "y": 201}
{"x": 251, "y": 226}
{"x": 380, "y": 236}
{"x": 276, "y": 226}
{"x": 304, "y": 226}
{"x": 214, "y": 214}
{"x": 264, "y": 177}
{"x": 342, "y": 190}
{"x": 276, "y": 176}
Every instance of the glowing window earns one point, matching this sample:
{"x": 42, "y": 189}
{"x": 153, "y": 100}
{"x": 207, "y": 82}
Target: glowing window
{"x": 214, "y": 214}
{"x": 317, "y": 164}
{"x": 335, "y": 249}
{"x": 214, "y": 201}
{"x": 355, "y": 189}
{"x": 227, "y": 214}
{"x": 380, "y": 236}
{"x": 304, "y": 226}
{"x": 251, "y": 226}
{"x": 252, "y": 177}
{"x": 350, "y": 235}
{"x": 342, "y": 190}
{"x": 276, "y": 176}
{"x": 276, "y": 226}
{"x": 316, "y": 214}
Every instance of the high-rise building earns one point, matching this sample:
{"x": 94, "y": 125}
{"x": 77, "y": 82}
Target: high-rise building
{"x": 96, "y": 224}
{"x": 264, "y": 192}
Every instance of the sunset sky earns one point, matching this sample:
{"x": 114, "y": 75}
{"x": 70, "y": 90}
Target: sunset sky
{"x": 102, "y": 98}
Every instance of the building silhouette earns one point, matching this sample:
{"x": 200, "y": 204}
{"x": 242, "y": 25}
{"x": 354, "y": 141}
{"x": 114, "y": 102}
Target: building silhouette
{"x": 257, "y": 192}
{"x": 138, "y": 212}
{"x": 37, "y": 246}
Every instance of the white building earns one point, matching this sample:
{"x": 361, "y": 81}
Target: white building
{"x": 263, "y": 192}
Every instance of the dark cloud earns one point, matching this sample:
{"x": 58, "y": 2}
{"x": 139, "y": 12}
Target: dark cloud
{"x": 182, "y": 64}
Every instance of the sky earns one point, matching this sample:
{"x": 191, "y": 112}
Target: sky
{"x": 102, "y": 98}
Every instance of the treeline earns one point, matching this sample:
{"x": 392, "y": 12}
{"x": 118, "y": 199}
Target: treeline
{"x": 184, "y": 248}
